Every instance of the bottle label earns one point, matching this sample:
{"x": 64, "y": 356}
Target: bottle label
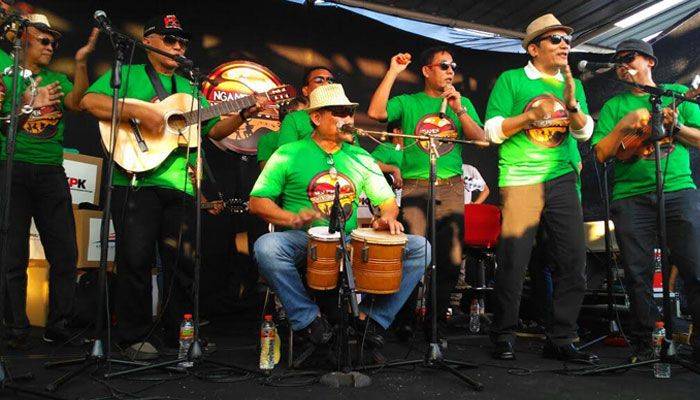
{"x": 187, "y": 332}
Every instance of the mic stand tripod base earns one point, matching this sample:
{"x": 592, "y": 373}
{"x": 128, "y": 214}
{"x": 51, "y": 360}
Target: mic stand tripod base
{"x": 338, "y": 379}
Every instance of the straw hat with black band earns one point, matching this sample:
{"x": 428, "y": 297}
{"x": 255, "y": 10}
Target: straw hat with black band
{"x": 41, "y": 22}
{"x": 541, "y": 25}
{"x": 332, "y": 95}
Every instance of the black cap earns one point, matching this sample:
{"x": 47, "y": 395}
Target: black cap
{"x": 165, "y": 24}
{"x": 637, "y": 45}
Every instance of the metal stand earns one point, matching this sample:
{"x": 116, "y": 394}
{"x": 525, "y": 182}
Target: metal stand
{"x": 434, "y": 358}
{"x": 195, "y": 353}
{"x": 347, "y": 299}
{"x": 612, "y": 323}
{"x": 668, "y": 352}
{"x": 99, "y": 354}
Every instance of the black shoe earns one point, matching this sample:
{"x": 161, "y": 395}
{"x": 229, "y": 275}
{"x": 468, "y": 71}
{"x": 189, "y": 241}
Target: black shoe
{"x": 404, "y": 332}
{"x": 319, "y": 331}
{"x": 61, "y": 335}
{"x": 568, "y": 353}
{"x": 372, "y": 334}
{"x": 503, "y": 350}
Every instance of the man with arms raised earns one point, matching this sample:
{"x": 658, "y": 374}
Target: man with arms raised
{"x": 420, "y": 114}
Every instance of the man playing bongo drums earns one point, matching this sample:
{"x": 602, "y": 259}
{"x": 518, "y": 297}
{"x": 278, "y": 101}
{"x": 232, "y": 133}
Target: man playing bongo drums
{"x": 303, "y": 175}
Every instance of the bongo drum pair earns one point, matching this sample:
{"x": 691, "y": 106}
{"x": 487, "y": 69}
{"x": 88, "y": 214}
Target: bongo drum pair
{"x": 376, "y": 260}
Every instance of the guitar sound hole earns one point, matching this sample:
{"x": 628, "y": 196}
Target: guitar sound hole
{"x": 177, "y": 122}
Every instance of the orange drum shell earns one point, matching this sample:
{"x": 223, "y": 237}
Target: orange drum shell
{"x": 322, "y": 273}
{"x": 381, "y": 274}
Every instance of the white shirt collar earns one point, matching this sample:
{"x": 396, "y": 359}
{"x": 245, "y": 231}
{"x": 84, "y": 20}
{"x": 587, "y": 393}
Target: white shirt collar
{"x": 534, "y": 73}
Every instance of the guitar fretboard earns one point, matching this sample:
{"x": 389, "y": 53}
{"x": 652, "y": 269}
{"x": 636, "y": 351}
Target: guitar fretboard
{"x": 224, "y": 107}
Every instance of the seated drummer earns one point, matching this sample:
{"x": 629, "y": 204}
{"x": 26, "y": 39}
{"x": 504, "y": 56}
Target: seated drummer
{"x": 303, "y": 174}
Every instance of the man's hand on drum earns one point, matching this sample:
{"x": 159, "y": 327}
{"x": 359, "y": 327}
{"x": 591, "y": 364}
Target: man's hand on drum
{"x": 303, "y": 218}
{"x": 387, "y": 224}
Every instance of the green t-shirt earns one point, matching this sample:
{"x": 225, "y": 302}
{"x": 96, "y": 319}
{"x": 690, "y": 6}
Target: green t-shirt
{"x": 5, "y": 60}
{"x": 267, "y": 144}
{"x": 532, "y": 155}
{"x": 638, "y": 176}
{"x": 418, "y": 113}
{"x": 387, "y": 154}
{"x": 300, "y": 173}
{"x": 172, "y": 173}
{"x": 295, "y": 126}
{"x": 39, "y": 135}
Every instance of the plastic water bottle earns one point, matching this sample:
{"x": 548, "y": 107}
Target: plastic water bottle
{"x": 186, "y": 339}
{"x": 474, "y": 316}
{"x": 267, "y": 344}
{"x": 661, "y": 369}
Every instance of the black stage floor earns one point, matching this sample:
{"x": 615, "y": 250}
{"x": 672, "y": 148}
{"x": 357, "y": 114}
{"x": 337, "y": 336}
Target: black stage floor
{"x": 530, "y": 377}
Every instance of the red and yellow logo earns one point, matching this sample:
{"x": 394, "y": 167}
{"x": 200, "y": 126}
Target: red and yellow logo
{"x": 550, "y": 132}
{"x": 43, "y": 123}
{"x": 432, "y": 124}
{"x": 321, "y": 191}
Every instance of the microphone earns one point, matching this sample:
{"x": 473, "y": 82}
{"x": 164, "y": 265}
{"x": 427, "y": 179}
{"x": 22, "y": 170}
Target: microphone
{"x": 349, "y": 128}
{"x": 596, "y": 67}
{"x": 102, "y": 21}
{"x": 443, "y": 107}
{"x": 334, "y": 219}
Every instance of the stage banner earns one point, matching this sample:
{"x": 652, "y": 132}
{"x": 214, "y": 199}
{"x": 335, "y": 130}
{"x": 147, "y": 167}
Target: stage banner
{"x": 237, "y": 79}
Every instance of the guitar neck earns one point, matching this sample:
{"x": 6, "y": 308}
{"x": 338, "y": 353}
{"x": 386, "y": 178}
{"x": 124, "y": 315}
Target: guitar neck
{"x": 224, "y": 107}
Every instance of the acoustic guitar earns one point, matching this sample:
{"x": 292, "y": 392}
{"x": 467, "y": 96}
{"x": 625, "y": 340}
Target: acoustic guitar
{"x": 138, "y": 150}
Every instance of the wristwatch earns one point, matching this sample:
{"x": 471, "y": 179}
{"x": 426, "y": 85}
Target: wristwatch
{"x": 575, "y": 108}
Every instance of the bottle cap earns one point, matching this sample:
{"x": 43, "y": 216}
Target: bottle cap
{"x": 659, "y": 324}
{"x": 188, "y": 316}
{"x": 268, "y": 317}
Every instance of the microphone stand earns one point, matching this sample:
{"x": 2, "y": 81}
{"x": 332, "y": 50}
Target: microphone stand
{"x": 668, "y": 351}
{"x": 613, "y": 326}
{"x": 347, "y": 299}
{"x": 434, "y": 358}
{"x": 195, "y": 353}
{"x": 99, "y": 354}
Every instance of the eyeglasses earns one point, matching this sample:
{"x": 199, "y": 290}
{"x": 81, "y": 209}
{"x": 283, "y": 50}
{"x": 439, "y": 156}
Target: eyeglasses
{"x": 44, "y": 41}
{"x": 320, "y": 79}
{"x": 444, "y": 65}
{"x": 170, "y": 40}
{"x": 625, "y": 58}
{"x": 341, "y": 111}
{"x": 555, "y": 39}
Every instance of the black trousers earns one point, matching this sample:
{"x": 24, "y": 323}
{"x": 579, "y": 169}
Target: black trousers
{"x": 555, "y": 204}
{"x": 41, "y": 192}
{"x": 449, "y": 232}
{"x": 635, "y": 230}
{"x": 147, "y": 218}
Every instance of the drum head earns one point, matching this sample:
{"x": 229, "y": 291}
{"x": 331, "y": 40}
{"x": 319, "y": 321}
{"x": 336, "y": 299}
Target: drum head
{"x": 321, "y": 233}
{"x": 377, "y": 237}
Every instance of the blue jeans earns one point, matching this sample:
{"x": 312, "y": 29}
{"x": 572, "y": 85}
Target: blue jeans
{"x": 282, "y": 255}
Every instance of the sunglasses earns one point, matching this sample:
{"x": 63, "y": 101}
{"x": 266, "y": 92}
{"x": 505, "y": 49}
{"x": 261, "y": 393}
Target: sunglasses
{"x": 625, "y": 59}
{"x": 323, "y": 79}
{"x": 444, "y": 65}
{"x": 170, "y": 40}
{"x": 48, "y": 42}
{"x": 341, "y": 111}
{"x": 555, "y": 39}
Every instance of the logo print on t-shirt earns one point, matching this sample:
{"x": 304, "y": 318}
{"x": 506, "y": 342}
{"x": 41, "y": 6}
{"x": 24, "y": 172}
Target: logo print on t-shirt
{"x": 321, "y": 191}
{"x": 432, "y": 124}
{"x": 43, "y": 123}
{"x": 552, "y": 131}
